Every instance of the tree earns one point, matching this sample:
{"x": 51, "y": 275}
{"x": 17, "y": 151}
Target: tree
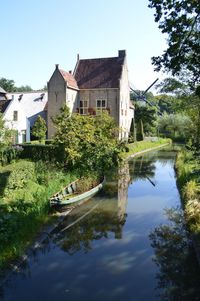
{"x": 175, "y": 125}
{"x": 91, "y": 143}
{"x": 23, "y": 89}
{"x": 5, "y": 134}
{"x": 185, "y": 101}
{"x": 145, "y": 117}
{"x": 39, "y": 128}
{"x": 180, "y": 20}
{"x": 7, "y": 84}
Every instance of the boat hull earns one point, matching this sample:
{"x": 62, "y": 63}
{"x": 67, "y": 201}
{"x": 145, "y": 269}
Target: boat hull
{"x": 77, "y": 198}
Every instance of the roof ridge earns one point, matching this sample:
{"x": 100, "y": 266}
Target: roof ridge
{"x": 100, "y": 58}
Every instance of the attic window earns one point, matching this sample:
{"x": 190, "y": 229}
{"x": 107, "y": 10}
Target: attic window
{"x": 42, "y": 96}
{"x": 20, "y": 97}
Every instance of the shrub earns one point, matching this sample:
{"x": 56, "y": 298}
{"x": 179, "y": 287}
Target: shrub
{"x": 47, "y": 153}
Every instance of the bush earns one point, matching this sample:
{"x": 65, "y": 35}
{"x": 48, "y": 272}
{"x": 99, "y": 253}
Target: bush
{"x": 9, "y": 154}
{"x": 47, "y": 153}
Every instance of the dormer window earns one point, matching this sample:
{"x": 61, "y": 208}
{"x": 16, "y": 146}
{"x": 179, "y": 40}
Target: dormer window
{"x": 15, "y": 115}
{"x": 42, "y": 96}
{"x": 20, "y": 97}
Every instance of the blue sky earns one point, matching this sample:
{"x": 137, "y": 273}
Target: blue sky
{"x": 37, "y": 34}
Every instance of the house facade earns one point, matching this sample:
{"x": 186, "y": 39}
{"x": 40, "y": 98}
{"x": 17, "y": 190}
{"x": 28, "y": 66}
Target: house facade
{"x": 95, "y": 85}
{"x": 21, "y": 112}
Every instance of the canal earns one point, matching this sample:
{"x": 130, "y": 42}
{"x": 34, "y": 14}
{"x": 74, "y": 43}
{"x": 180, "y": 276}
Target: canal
{"x": 128, "y": 243}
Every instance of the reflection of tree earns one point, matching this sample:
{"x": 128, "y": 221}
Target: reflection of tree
{"x": 97, "y": 225}
{"x": 179, "y": 275}
{"x": 142, "y": 168}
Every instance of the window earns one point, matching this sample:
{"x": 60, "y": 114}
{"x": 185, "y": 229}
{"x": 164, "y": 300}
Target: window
{"x": 15, "y": 115}
{"x": 101, "y": 105}
{"x": 23, "y": 132}
{"x": 83, "y": 107}
{"x": 15, "y": 137}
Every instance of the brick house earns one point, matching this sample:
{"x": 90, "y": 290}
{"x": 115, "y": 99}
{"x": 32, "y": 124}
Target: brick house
{"x": 95, "y": 85}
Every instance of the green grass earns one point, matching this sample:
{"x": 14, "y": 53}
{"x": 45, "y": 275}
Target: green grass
{"x": 24, "y": 203}
{"x": 136, "y": 147}
{"x": 188, "y": 177}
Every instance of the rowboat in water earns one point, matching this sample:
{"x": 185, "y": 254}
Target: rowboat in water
{"x": 69, "y": 194}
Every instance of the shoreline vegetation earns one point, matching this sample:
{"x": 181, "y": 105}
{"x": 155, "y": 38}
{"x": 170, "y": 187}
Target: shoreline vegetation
{"x": 140, "y": 147}
{"x": 188, "y": 179}
{"x": 26, "y": 187}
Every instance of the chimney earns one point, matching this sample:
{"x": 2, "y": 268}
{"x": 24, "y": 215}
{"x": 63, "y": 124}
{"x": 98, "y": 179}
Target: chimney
{"x": 57, "y": 66}
{"x": 78, "y": 57}
{"x": 70, "y": 71}
{"x": 121, "y": 53}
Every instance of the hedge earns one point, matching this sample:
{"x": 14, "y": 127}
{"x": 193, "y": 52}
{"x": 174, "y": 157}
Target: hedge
{"x": 47, "y": 153}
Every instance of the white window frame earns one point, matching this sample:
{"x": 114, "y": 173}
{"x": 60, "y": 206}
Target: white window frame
{"x": 83, "y": 108}
{"x": 101, "y": 108}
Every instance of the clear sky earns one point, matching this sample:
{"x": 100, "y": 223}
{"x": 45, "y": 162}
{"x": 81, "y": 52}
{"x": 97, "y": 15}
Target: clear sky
{"x": 37, "y": 34}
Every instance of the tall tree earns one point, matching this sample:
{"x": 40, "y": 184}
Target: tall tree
{"x": 180, "y": 20}
{"x": 39, "y": 128}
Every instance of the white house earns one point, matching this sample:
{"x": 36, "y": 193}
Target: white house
{"x": 22, "y": 111}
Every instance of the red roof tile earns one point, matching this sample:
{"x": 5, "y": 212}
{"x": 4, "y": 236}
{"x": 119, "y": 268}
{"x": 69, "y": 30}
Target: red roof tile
{"x": 99, "y": 73}
{"x": 69, "y": 78}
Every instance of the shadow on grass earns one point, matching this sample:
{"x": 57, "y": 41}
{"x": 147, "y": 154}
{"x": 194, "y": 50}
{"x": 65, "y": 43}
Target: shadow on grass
{"x": 3, "y": 181}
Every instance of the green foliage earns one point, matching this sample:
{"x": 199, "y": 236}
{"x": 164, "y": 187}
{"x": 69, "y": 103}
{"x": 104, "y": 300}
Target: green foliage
{"x": 145, "y": 118}
{"x": 91, "y": 143}
{"x": 39, "y": 128}
{"x": 188, "y": 175}
{"x": 10, "y": 153}
{"x": 175, "y": 126}
{"x": 180, "y": 21}
{"x": 23, "y": 89}
{"x": 44, "y": 152}
{"x": 5, "y": 134}
{"x": 25, "y": 189}
{"x": 136, "y": 147}
{"x": 9, "y": 86}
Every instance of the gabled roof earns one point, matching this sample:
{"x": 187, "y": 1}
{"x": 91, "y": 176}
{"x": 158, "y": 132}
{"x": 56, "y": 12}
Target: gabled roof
{"x": 4, "y": 104}
{"x": 69, "y": 78}
{"x": 2, "y": 91}
{"x": 32, "y": 103}
{"x": 99, "y": 73}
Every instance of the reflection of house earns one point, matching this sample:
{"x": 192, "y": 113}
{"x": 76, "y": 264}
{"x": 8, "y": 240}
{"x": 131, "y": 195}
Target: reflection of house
{"x": 123, "y": 182}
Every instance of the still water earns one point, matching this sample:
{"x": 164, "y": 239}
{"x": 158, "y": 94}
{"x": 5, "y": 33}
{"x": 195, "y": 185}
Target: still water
{"x": 129, "y": 243}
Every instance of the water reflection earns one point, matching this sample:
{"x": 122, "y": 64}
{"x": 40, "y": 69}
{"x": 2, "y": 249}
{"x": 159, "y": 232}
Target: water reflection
{"x": 95, "y": 220}
{"x": 101, "y": 251}
{"x": 143, "y": 168}
{"x": 179, "y": 275}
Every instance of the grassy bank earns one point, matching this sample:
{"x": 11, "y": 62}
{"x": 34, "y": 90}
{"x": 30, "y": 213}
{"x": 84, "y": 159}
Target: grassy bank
{"x": 188, "y": 177}
{"x": 25, "y": 188}
{"x": 140, "y": 146}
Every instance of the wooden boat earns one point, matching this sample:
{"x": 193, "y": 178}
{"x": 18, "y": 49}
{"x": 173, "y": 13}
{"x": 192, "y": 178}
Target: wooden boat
{"x": 68, "y": 195}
